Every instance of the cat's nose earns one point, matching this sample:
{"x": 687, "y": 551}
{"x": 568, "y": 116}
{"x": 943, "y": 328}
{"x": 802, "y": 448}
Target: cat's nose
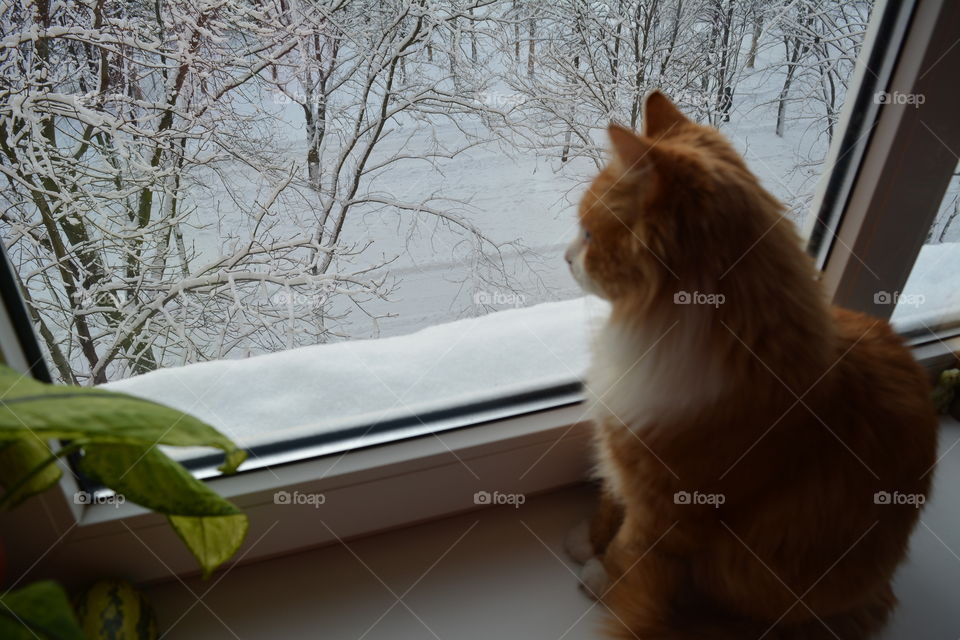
{"x": 569, "y": 254}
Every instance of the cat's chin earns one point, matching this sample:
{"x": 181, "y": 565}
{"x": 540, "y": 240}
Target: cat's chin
{"x": 591, "y": 289}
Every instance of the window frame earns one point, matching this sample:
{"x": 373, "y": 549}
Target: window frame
{"x": 883, "y": 220}
{"x": 543, "y": 443}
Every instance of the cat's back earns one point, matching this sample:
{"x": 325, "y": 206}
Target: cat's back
{"x": 879, "y": 394}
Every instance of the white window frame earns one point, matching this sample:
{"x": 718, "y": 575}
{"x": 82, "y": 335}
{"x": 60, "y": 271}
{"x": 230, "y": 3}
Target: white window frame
{"x": 889, "y": 170}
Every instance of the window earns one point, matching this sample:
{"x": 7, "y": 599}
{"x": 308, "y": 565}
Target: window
{"x": 182, "y": 188}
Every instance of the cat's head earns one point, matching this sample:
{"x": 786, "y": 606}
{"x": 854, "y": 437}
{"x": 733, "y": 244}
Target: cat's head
{"x": 673, "y": 208}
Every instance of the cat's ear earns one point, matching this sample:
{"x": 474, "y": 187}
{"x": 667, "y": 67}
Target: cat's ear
{"x": 632, "y": 151}
{"x": 660, "y": 115}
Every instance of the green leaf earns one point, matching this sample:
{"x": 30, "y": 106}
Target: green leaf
{"x": 49, "y": 411}
{"x": 946, "y": 390}
{"x": 18, "y": 458}
{"x": 211, "y": 540}
{"x": 212, "y": 528}
{"x": 147, "y": 476}
{"x": 39, "y": 610}
{"x": 119, "y": 436}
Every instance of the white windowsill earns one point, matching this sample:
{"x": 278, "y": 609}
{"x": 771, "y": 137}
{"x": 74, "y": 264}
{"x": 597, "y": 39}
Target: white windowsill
{"x": 366, "y": 491}
{"x": 506, "y": 578}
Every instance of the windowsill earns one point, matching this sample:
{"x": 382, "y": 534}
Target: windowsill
{"x": 366, "y": 491}
{"x": 507, "y": 577}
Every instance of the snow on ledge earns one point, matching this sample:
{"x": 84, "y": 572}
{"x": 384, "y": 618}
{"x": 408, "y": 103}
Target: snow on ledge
{"x": 931, "y": 296}
{"x": 326, "y": 387}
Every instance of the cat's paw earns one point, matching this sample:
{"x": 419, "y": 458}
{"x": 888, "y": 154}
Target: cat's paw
{"x": 594, "y": 579}
{"x": 577, "y": 543}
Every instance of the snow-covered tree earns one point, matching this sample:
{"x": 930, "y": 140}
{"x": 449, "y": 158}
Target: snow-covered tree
{"x": 821, "y": 40}
{"x": 154, "y": 217}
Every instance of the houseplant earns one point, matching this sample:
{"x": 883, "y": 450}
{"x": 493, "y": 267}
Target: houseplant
{"x": 113, "y": 438}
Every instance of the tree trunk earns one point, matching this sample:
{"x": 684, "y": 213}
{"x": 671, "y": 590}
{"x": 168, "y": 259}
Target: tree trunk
{"x": 454, "y": 54}
{"x": 531, "y": 45}
{"x": 673, "y": 39}
{"x": 754, "y": 41}
{"x": 722, "y": 69}
{"x": 782, "y": 101}
{"x": 516, "y": 42}
{"x": 565, "y": 154}
{"x": 473, "y": 37}
{"x": 793, "y": 59}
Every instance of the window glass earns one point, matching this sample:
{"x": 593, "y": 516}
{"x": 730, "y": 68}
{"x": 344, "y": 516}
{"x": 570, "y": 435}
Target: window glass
{"x": 930, "y": 300}
{"x": 185, "y": 183}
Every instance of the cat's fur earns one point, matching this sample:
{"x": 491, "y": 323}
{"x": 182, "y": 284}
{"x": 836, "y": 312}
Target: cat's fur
{"x": 795, "y": 413}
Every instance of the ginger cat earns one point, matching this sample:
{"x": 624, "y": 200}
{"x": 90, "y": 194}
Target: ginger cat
{"x": 763, "y": 457}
